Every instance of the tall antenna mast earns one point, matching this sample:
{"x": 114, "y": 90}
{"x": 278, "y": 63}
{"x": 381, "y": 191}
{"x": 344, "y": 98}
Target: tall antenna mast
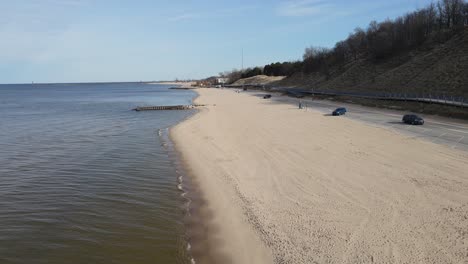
{"x": 242, "y": 65}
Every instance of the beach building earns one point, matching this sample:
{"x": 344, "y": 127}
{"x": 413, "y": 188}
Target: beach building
{"x": 221, "y": 81}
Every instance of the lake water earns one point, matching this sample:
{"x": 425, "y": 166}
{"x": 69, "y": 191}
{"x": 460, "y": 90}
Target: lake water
{"x": 83, "y": 179}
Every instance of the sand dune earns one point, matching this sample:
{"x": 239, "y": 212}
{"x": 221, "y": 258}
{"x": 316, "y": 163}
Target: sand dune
{"x": 289, "y": 186}
{"x": 259, "y": 80}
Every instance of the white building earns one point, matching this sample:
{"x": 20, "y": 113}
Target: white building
{"x": 221, "y": 81}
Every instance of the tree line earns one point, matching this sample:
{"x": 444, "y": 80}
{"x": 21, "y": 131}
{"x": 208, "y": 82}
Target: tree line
{"x": 434, "y": 24}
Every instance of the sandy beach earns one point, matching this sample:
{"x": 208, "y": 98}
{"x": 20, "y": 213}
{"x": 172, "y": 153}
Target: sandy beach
{"x": 285, "y": 185}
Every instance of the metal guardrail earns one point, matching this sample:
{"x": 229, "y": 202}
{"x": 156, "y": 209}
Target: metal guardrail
{"x": 441, "y": 99}
{"x": 424, "y": 98}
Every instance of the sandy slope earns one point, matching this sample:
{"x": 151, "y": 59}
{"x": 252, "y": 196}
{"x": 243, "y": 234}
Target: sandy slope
{"x": 321, "y": 189}
{"x": 259, "y": 80}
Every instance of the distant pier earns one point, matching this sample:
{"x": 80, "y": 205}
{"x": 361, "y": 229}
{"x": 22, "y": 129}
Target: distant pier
{"x": 167, "y": 107}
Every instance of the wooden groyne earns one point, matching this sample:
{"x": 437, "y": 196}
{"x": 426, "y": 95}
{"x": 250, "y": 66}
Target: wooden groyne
{"x": 166, "y": 107}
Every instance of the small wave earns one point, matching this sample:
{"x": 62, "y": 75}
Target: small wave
{"x": 181, "y": 185}
{"x": 189, "y": 247}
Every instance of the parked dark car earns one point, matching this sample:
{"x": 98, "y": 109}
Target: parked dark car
{"x": 413, "y": 120}
{"x": 339, "y": 111}
{"x": 267, "y": 96}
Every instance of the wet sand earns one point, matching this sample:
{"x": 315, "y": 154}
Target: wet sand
{"x": 284, "y": 185}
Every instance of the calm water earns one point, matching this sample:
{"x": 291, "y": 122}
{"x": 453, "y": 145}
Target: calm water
{"x": 85, "y": 180}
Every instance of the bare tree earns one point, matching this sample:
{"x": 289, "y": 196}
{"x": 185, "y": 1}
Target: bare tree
{"x": 465, "y": 14}
{"x": 315, "y": 52}
{"x": 436, "y": 23}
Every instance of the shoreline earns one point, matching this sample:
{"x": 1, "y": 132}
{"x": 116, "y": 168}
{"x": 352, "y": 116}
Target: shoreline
{"x": 206, "y": 232}
{"x": 183, "y": 187}
{"x": 185, "y": 184}
{"x": 289, "y": 186}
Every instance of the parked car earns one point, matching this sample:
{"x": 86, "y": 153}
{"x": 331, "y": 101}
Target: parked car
{"x": 267, "y": 96}
{"x": 413, "y": 120}
{"x": 339, "y": 111}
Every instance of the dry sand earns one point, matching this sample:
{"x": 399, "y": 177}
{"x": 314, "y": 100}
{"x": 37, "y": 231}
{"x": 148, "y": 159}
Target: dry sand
{"x": 289, "y": 186}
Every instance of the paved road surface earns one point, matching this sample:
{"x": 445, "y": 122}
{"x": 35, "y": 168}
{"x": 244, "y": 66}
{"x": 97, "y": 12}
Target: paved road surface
{"x": 446, "y": 131}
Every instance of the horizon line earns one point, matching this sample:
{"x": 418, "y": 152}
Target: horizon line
{"x": 103, "y": 82}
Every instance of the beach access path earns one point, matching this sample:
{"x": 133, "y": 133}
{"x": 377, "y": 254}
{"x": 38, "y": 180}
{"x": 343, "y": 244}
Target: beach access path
{"x": 289, "y": 186}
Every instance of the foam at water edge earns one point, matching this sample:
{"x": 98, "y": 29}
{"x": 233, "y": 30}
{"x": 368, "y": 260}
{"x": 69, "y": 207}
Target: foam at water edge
{"x": 181, "y": 186}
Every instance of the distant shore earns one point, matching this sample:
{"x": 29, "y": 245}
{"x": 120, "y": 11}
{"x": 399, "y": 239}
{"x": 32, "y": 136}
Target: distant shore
{"x": 180, "y": 84}
{"x": 289, "y": 186}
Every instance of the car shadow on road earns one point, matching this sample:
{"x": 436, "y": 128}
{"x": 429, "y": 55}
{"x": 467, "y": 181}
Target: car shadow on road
{"x": 396, "y": 123}
{"x": 259, "y": 94}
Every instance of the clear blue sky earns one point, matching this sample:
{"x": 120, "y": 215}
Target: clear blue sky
{"x": 117, "y": 40}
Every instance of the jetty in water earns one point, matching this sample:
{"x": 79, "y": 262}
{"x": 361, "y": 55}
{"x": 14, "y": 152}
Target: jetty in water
{"x": 167, "y": 107}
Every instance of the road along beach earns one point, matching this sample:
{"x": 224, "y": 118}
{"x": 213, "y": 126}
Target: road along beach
{"x": 286, "y": 185}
